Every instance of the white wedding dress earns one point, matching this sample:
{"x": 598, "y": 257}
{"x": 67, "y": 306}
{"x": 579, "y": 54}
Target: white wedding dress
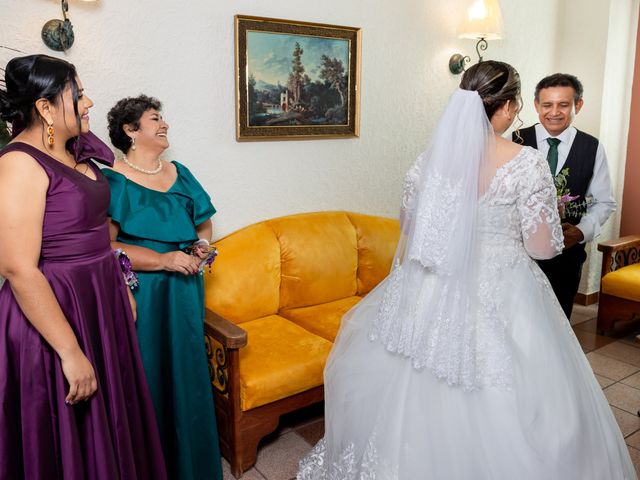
{"x": 536, "y": 413}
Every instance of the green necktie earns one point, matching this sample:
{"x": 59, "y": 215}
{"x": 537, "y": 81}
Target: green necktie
{"x": 552, "y": 155}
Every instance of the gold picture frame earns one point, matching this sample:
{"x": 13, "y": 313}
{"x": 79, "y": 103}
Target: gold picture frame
{"x": 296, "y": 80}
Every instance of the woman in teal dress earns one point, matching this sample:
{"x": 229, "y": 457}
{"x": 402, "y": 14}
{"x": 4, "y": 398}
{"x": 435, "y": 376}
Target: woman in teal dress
{"x": 158, "y": 212}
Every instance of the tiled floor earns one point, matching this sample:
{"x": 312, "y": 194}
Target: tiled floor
{"x": 615, "y": 360}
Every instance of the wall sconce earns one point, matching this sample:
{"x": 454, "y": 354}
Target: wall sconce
{"x": 58, "y": 34}
{"x": 483, "y": 22}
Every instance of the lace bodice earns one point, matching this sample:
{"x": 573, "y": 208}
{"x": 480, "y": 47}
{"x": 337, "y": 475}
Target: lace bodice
{"x": 519, "y": 207}
{"x": 519, "y": 211}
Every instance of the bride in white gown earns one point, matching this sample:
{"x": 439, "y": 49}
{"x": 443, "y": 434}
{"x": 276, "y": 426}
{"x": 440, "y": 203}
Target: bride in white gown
{"x": 461, "y": 364}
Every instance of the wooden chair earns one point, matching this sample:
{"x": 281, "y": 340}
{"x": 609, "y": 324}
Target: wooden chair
{"x": 619, "y": 298}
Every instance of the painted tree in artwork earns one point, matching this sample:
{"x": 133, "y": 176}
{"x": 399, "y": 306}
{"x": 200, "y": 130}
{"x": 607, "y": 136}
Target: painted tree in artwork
{"x": 332, "y": 71}
{"x": 297, "y": 76}
{"x": 251, "y": 93}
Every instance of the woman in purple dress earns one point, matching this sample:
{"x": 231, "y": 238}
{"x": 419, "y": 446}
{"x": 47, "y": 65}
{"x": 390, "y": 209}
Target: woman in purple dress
{"x": 74, "y": 400}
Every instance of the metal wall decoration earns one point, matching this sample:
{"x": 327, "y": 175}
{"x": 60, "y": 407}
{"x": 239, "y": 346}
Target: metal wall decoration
{"x": 58, "y": 34}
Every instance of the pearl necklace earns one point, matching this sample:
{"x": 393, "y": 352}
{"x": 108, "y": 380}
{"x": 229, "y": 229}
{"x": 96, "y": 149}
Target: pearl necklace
{"x": 143, "y": 170}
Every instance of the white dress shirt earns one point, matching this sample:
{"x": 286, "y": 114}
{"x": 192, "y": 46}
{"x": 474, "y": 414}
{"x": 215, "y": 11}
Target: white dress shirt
{"x": 599, "y": 187}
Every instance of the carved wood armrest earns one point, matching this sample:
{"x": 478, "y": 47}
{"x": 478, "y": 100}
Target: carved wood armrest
{"x": 228, "y": 334}
{"x": 223, "y": 340}
{"x": 619, "y": 252}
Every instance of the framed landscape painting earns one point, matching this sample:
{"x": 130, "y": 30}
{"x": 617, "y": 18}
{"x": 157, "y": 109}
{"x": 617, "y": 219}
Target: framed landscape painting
{"x": 296, "y": 80}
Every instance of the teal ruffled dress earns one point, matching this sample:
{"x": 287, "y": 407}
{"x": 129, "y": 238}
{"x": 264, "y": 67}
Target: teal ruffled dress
{"x": 170, "y": 322}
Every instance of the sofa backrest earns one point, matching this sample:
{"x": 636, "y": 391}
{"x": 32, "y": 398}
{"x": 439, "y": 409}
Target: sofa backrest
{"x": 377, "y": 240}
{"x": 244, "y": 283}
{"x": 297, "y": 261}
{"x": 319, "y": 258}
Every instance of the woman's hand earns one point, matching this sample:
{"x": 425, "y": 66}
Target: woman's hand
{"x": 132, "y": 302}
{"x": 201, "y": 251}
{"x": 79, "y": 373}
{"x": 180, "y": 262}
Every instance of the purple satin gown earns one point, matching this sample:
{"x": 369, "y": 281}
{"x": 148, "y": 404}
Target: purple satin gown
{"x": 113, "y": 435}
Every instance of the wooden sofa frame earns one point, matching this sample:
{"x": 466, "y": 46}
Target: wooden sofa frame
{"x": 616, "y": 254}
{"x": 240, "y": 432}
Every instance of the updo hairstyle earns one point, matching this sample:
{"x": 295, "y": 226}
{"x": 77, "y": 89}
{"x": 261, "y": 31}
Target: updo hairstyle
{"x": 128, "y": 111}
{"x": 496, "y": 83}
{"x": 28, "y": 79}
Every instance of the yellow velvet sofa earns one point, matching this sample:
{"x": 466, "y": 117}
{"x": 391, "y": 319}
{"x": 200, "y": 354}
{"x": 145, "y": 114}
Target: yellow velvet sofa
{"x": 619, "y": 297}
{"x": 274, "y": 301}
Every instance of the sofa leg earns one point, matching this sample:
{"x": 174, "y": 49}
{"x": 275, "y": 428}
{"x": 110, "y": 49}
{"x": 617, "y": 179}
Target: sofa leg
{"x": 604, "y": 325}
{"x": 236, "y": 469}
{"x": 245, "y": 450}
{"x": 245, "y": 458}
{"x": 606, "y": 316}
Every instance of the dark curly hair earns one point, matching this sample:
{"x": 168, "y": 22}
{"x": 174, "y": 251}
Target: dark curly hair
{"x": 29, "y": 78}
{"x": 561, "y": 80}
{"x": 496, "y": 83}
{"x": 128, "y": 112}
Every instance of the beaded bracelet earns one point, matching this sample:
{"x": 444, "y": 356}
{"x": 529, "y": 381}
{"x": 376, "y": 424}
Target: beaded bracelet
{"x": 130, "y": 277}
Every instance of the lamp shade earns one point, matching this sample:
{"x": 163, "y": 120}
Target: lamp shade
{"x": 483, "y": 20}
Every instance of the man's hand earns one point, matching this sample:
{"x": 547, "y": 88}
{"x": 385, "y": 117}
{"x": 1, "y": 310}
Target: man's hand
{"x": 572, "y": 235}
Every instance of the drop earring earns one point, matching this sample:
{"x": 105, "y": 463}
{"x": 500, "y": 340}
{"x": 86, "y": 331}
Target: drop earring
{"x": 133, "y": 143}
{"x": 50, "y": 138}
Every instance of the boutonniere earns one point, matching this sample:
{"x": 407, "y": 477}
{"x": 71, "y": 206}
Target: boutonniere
{"x": 567, "y": 204}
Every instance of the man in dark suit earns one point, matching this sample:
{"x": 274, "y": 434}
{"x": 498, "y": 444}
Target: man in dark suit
{"x": 558, "y": 98}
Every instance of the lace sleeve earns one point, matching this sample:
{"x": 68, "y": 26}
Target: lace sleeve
{"x": 538, "y": 209}
{"x": 411, "y": 179}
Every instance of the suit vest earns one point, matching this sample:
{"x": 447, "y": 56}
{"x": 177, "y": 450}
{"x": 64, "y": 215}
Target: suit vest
{"x": 580, "y": 161}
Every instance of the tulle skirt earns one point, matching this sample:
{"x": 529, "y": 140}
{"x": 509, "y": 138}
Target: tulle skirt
{"x": 387, "y": 420}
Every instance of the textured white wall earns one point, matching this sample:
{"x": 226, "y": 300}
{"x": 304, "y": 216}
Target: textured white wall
{"x": 182, "y": 52}
{"x": 582, "y": 52}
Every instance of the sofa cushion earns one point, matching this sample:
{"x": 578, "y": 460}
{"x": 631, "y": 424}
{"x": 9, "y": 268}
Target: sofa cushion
{"x": 377, "y": 240}
{"x": 623, "y": 283}
{"x": 323, "y": 319}
{"x": 245, "y": 279}
{"x": 319, "y": 255}
{"x": 280, "y": 359}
